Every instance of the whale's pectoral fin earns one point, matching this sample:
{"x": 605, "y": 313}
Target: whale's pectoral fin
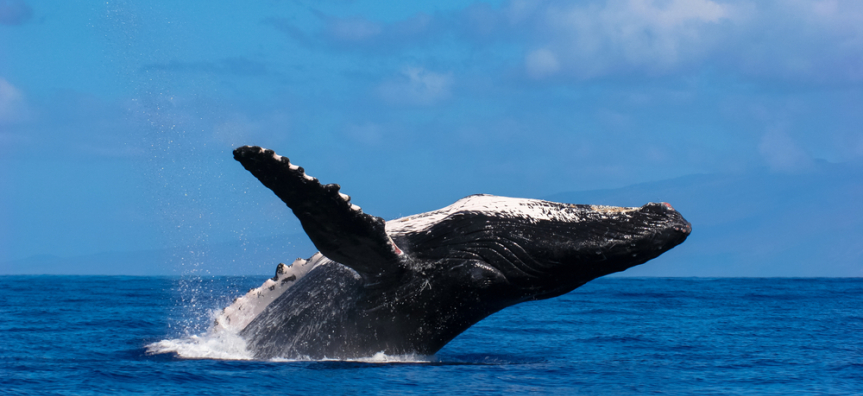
{"x": 338, "y": 228}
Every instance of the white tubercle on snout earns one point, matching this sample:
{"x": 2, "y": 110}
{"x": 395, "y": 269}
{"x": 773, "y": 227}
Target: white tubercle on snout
{"x": 244, "y": 309}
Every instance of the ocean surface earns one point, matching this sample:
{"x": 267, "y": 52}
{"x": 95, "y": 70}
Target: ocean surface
{"x": 82, "y": 335}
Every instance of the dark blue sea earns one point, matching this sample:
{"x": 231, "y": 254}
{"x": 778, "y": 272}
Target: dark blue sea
{"x": 82, "y": 335}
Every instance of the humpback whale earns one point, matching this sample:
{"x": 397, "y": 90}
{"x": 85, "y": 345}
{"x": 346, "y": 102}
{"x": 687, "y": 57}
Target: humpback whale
{"x": 410, "y": 285}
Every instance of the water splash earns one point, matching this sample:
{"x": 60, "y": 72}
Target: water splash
{"x": 212, "y": 345}
{"x": 224, "y": 345}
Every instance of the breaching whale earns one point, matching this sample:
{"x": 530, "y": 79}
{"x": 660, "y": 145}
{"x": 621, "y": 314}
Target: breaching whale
{"x": 410, "y": 285}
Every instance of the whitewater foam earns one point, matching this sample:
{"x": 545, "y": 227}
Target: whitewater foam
{"x": 220, "y": 345}
{"x": 223, "y": 345}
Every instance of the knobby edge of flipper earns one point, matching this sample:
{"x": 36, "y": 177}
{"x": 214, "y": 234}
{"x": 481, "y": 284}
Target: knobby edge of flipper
{"x": 338, "y": 228}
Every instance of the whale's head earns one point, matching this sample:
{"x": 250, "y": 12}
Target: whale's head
{"x": 533, "y": 249}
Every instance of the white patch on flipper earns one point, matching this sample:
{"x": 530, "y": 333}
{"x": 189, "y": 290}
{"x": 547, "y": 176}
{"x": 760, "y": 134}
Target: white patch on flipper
{"x": 243, "y": 310}
{"x": 346, "y": 197}
{"x": 504, "y": 207}
{"x": 290, "y": 165}
{"x": 279, "y": 158}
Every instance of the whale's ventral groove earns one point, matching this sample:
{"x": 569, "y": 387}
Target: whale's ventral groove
{"x": 410, "y": 285}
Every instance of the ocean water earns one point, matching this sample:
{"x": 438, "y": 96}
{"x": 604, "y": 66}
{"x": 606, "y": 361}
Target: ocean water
{"x": 82, "y": 335}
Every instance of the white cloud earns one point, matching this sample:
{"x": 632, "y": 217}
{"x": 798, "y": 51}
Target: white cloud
{"x": 677, "y": 12}
{"x": 11, "y": 103}
{"x": 14, "y": 12}
{"x": 368, "y": 134}
{"x": 654, "y": 36}
{"x": 520, "y": 10}
{"x": 782, "y": 153}
{"x": 417, "y": 86}
{"x": 814, "y": 41}
{"x": 794, "y": 39}
{"x": 541, "y": 63}
{"x": 353, "y": 29}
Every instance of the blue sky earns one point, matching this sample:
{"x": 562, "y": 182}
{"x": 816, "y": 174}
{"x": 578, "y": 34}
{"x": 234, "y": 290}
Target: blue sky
{"x": 117, "y": 118}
